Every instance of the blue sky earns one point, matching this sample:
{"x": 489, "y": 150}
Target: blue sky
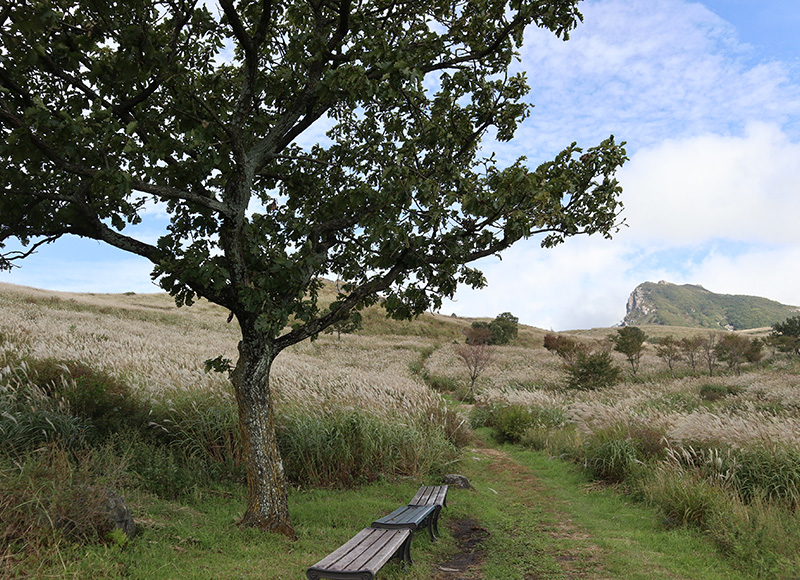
{"x": 707, "y": 96}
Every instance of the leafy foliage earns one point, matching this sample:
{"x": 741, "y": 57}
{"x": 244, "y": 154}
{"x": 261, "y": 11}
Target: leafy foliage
{"x": 787, "y": 334}
{"x": 567, "y": 348}
{"x": 668, "y": 349}
{"x": 630, "y": 340}
{"x": 501, "y": 330}
{"x": 593, "y": 370}
{"x": 736, "y": 349}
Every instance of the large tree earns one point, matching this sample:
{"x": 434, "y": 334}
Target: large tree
{"x": 287, "y": 140}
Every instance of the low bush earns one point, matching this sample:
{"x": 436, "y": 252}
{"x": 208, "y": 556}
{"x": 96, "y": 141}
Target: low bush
{"x": 611, "y": 456}
{"x": 593, "y": 371}
{"x": 52, "y": 496}
{"x": 510, "y": 422}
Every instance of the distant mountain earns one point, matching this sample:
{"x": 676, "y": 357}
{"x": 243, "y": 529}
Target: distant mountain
{"x": 689, "y": 305}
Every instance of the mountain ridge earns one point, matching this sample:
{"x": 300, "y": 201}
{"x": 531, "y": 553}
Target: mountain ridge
{"x": 667, "y": 304}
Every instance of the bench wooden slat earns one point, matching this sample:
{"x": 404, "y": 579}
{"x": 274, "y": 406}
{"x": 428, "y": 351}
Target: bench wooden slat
{"x": 361, "y": 557}
{"x": 430, "y": 495}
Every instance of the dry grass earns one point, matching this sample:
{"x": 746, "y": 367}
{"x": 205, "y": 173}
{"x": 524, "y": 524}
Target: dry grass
{"x": 156, "y": 347}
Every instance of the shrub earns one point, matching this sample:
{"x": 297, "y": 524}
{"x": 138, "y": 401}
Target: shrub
{"x": 52, "y": 495}
{"x": 566, "y": 347}
{"x": 611, "y": 456}
{"x": 510, "y": 422}
{"x": 593, "y": 371}
{"x": 789, "y": 333}
{"x": 501, "y": 330}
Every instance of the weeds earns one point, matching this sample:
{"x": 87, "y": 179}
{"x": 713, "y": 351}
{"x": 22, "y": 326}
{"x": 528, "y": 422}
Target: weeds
{"x": 346, "y": 448}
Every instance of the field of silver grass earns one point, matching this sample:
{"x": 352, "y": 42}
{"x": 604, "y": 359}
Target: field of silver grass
{"x": 158, "y": 348}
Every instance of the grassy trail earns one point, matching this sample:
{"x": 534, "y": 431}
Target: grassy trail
{"x": 545, "y": 521}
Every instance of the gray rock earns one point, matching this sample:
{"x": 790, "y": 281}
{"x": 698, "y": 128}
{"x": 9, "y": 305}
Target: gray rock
{"x": 118, "y": 513}
{"x": 458, "y": 481}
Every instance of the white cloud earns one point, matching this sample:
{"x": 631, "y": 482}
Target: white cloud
{"x": 770, "y": 272}
{"x": 692, "y": 190}
{"x": 647, "y": 70}
{"x": 583, "y": 283}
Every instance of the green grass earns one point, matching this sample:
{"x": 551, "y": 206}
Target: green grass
{"x": 200, "y": 539}
{"x": 543, "y": 520}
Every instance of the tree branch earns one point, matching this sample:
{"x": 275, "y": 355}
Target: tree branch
{"x": 7, "y": 258}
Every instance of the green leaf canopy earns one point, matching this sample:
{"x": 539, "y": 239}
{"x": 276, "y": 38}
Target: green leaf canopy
{"x": 108, "y": 108}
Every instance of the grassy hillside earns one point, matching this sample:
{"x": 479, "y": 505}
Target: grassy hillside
{"x": 693, "y": 306}
{"x": 110, "y": 390}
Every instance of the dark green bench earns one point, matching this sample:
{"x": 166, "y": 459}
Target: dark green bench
{"x": 435, "y": 495}
{"x": 408, "y": 517}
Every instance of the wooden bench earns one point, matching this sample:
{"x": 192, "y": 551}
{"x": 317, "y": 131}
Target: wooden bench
{"x": 363, "y": 555}
{"x": 431, "y": 495}
{"x": 367, "y": 552}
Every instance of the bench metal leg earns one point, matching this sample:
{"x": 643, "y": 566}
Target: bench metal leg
{"x": 407, "y": 561}
{"x": 435, "y": 522}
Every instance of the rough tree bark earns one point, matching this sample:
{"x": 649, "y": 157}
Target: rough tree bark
{"x": 267, "y": 505}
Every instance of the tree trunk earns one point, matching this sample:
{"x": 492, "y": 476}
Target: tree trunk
{"x": 267, "y": 500}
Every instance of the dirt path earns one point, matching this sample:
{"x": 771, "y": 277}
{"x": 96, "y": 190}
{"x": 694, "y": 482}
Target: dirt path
{"x": 580, "y": 561}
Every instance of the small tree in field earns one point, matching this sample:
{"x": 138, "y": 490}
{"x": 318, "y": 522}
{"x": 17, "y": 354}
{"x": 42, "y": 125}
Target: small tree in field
{"x": 476, "y": 354}
{"x": 502, "y": 329}
{"x": 708, "y": 351}
{"x": 593, "y": 370}
{"x": 786, "y": 335}
{"x": 736, "y": 349}
{"x": 587, "y": 369}
{"x": 691, "y": 350}
{"x": 286, "y": 142}
{"x": 669, "y": 350}
{"x": 567, "y": 348}
{"x": 629, "y": 340}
